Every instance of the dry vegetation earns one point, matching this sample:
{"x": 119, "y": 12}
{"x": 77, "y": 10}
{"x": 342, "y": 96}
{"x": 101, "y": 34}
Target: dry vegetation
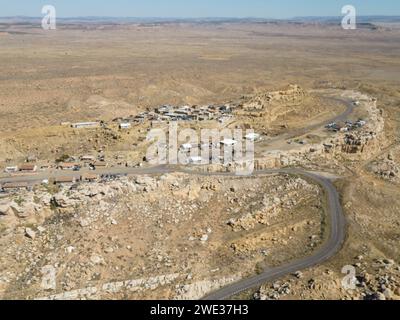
{"x": 80, "y": 73}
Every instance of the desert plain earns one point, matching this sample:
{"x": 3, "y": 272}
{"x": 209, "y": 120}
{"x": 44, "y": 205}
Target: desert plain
{"x": 184, "y": 233}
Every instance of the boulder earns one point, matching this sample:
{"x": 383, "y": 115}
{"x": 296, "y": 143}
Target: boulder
{"x": 46, "y": 199}
{"x": 26, "y": 211}
{"x": 41, "y": 229}
{"x": 96, "y": 259}
{"x": 30, "y": 233}
{"x": 5, "y": 209}
{"x": 62, "y": 201}
{"x": 388, "y": 294}
{"x": 16, "y": 207}
{"x": 84, "y": 222}
{"x": 376, "y": 296}
{"x": 146, "y": 182}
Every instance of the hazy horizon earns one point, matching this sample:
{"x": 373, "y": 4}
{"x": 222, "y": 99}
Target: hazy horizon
{"x": 200, "y": 18}
{"x": 180, "y": 9}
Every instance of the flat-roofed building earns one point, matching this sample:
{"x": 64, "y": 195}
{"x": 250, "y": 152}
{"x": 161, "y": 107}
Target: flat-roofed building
{"x": 27, "y": 167}
{"x": 83, "y": 125}
{"x": 99, "y": 164}
{"x": 15, "y": 185}
{"x": 68, "y": 165}
{"x": 228, "y": 142}
{"x": 89, "y": 177}
{"x": 45, "y": 166}
{"x": 65, "y": 180}
{"x": 186, "y": 146}
{"x": 88, "y": 158}
{"x": 195, "y": 160}
{"x": 252, "y": 136}
{"x": 125, "y": 125}
{"x": 11, "y": 169}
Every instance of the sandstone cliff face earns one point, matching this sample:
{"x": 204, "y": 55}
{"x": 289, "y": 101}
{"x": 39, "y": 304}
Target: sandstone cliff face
{"x": 357, "y": 145}
{"x": 271, "y": 106}
{"x": 266, "y": 101}
{"x": 163, "y": 236}
{"x": 387, "y": 166}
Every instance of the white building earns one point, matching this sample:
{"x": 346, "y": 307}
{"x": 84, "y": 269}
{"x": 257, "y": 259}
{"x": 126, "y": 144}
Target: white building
{"x": 186, "y": 146}
{"x": 125, "y": 126}
{"x": 11, "y": 169}
{"x": 228, "y": 142}
{"x": 196, "y": 160}
{"x": 252, "y": 136}
{"x": 81, "y": 125}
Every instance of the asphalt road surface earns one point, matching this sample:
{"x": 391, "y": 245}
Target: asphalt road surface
{"x": 329, "y": 249}
{"x": 336, "y": 219}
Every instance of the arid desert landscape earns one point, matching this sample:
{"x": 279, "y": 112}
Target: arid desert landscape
{"x": 85, "y": 213}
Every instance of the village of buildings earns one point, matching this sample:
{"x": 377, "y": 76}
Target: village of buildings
{"x": 89, "y": 164}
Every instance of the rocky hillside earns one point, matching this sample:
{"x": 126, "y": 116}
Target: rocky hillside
{"x": 180, "y": 234}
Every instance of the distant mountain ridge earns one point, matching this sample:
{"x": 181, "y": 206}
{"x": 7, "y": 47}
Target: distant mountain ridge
{"x": 126, "y": 20}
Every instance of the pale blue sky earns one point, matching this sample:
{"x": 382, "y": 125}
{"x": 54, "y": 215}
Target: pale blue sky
{"x": 198, "y": 8}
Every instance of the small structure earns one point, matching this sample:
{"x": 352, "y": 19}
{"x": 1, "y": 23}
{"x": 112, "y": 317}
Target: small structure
{"x": 163, "y": 109}
{"x": 45, "y": 166}
{"x": 88, "y": 158}
{"x": 15, "y": 185}
{"x": 125, "y": 126}
{"x": 27, "y": 167}
{"x": 68, "y": 166}
{"x": 186, "y": 146}
{"x": 228, "y": 142}
{"x": 98, "y": 164}
{"x": 140, "y": 118}
{"x": 333, "y": 127}
{"x": 360, "y": 123}
{"x": 65, "y": 180}
{"x": 195, "y": 160}
{"x": 11, "y": 169}
{"x": 31, "y": 158}
{"x": 89, "y": 177}
{"x": 252, "y": 136}
{"x": 85, "y": 125}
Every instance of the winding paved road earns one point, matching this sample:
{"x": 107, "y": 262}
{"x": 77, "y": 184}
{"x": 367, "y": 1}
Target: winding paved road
{"x": 335, "y": 215}
{"x": 329, "y": 249}
{"x": 336, "y": 222}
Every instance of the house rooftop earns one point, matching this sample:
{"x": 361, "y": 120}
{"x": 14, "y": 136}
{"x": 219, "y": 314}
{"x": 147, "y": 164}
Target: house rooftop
{"x": 65, "y": 180}
{"x": 228, "y": 142}
{"x": 15, "y": 185}
{"x": 27, "y": 167}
